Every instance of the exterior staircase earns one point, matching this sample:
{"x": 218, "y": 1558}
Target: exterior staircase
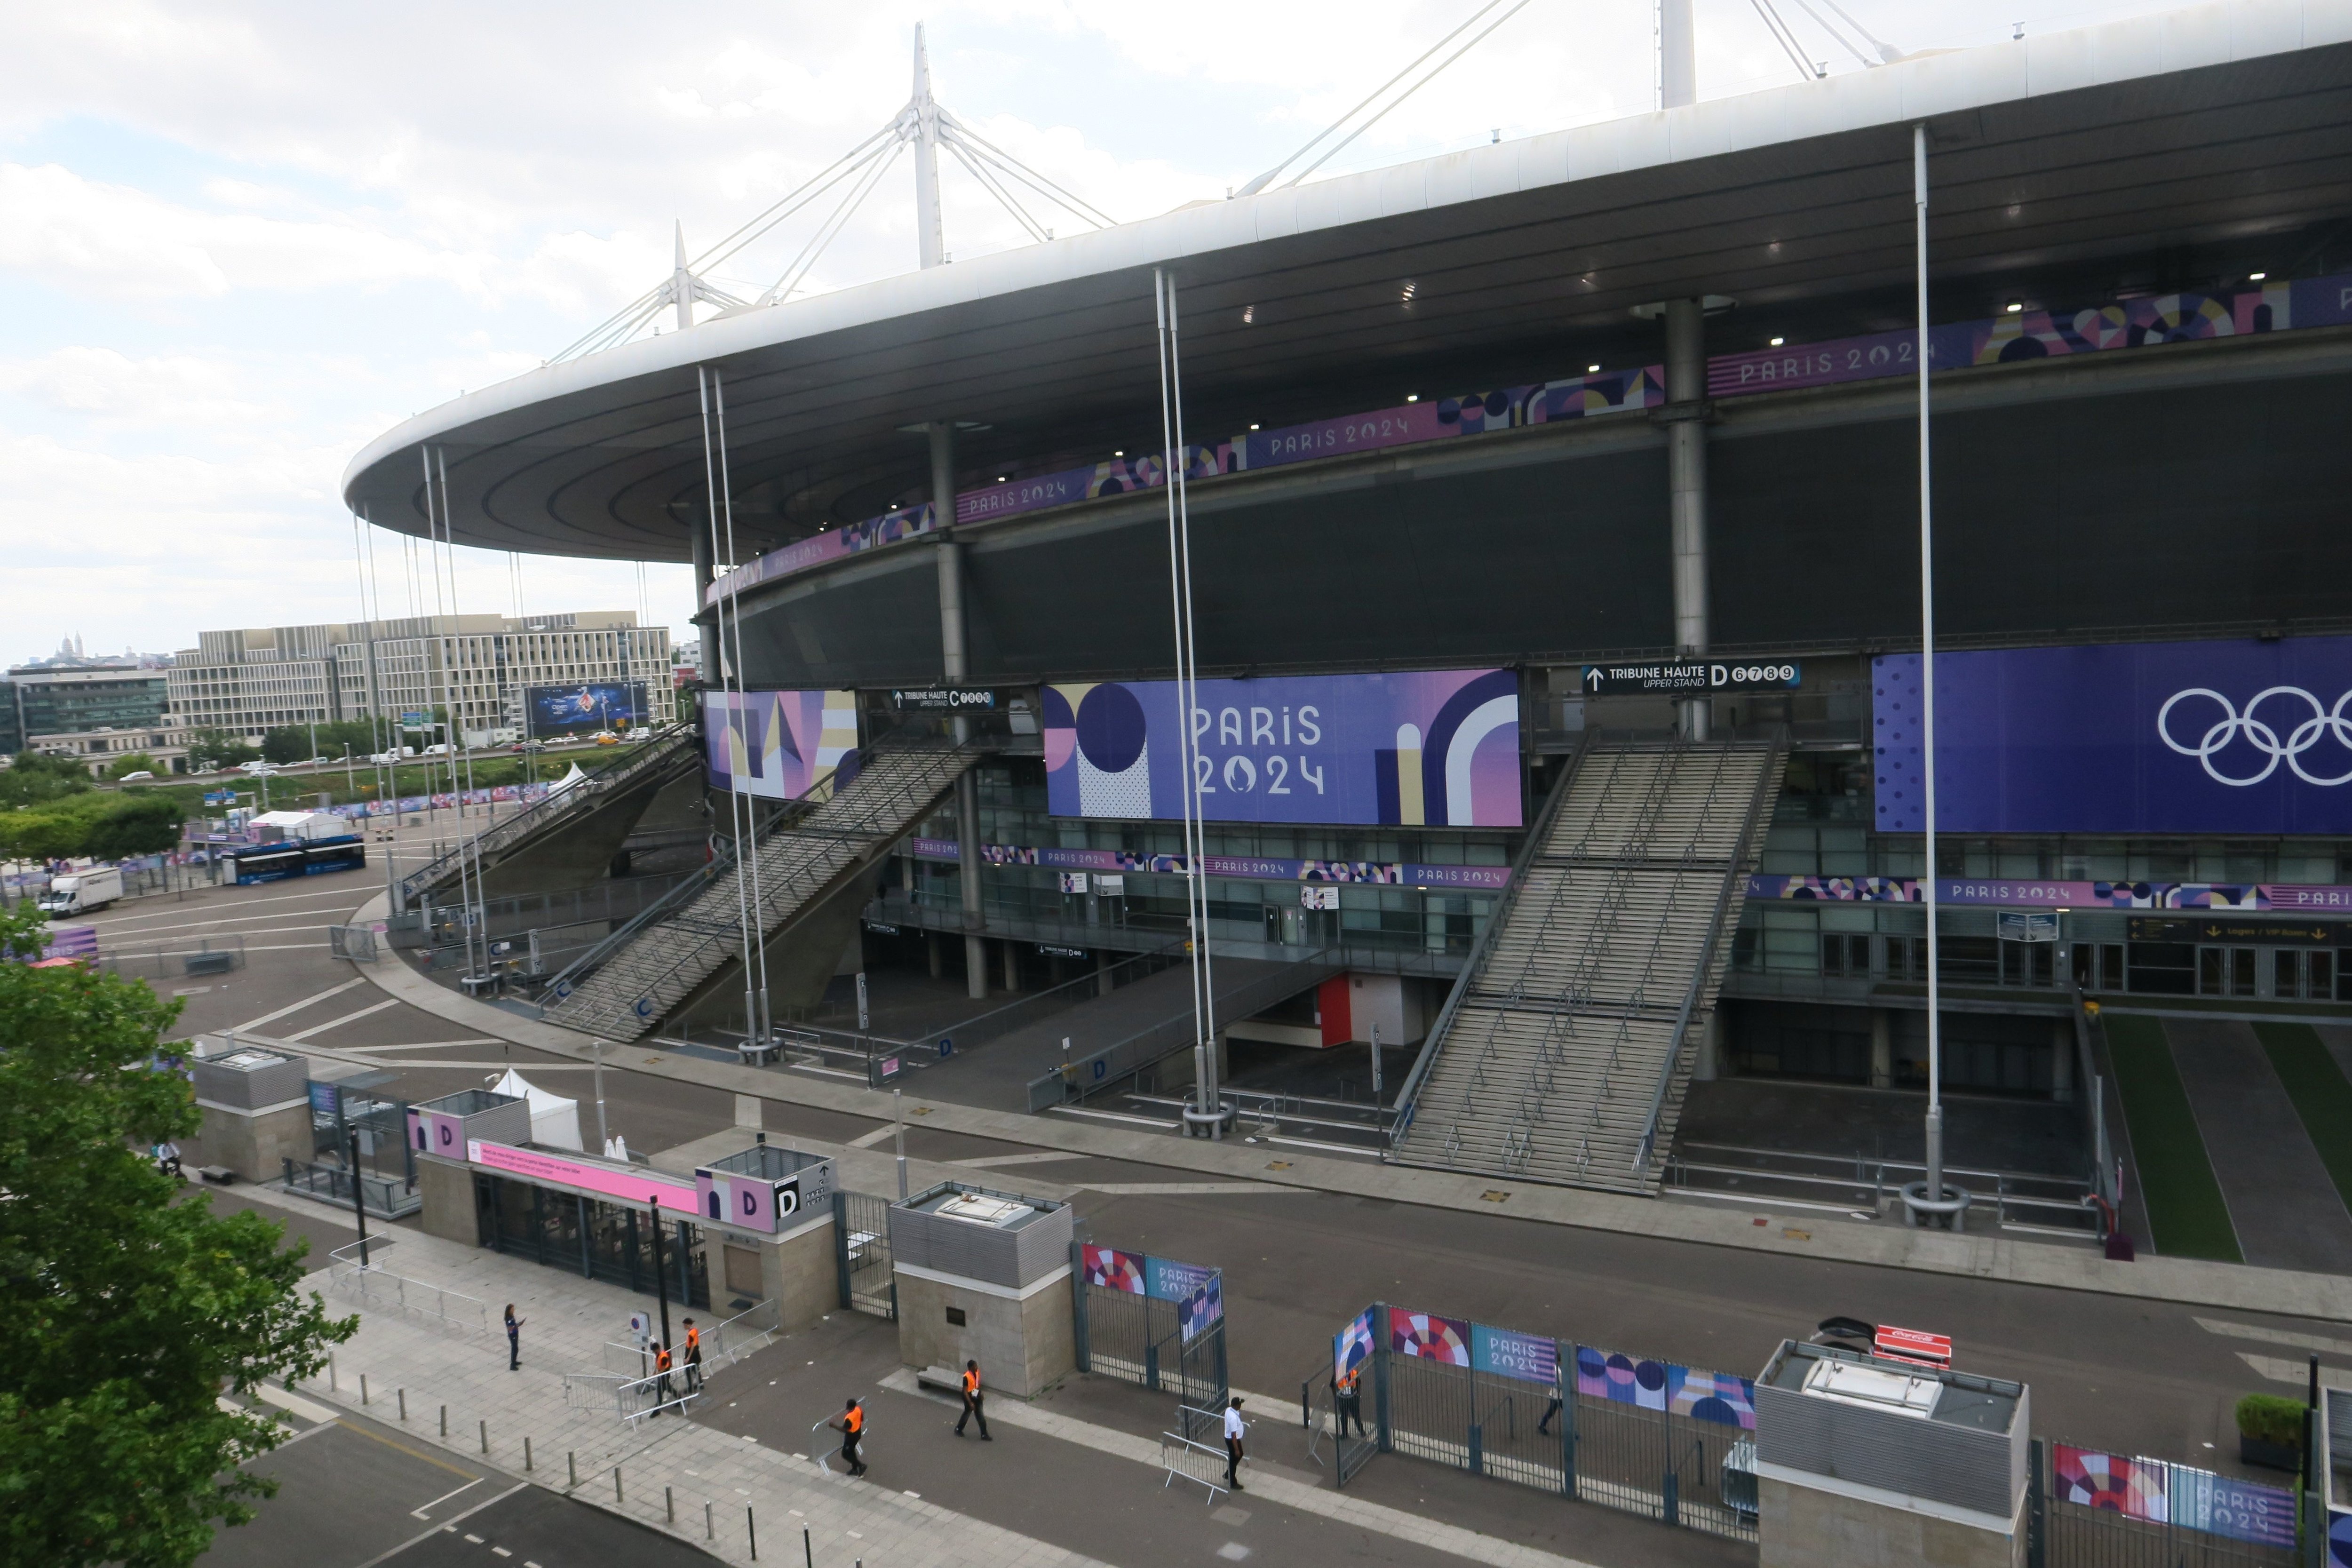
{"x": 628, "y": 983}
{"x": 667, "y": 754}
{"x": 1565, "y": 1050}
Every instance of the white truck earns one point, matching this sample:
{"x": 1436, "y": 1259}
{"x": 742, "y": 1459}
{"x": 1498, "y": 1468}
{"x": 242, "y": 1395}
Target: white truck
{"x": 79, "y": 892}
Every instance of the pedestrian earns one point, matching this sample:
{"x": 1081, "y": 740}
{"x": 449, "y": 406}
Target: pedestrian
{"x": 971, "y": 1411}
{"x": 693, "y": 1358}
{"x": 1349, "y": 1401}
{"x": 1234, "y": 1432}
{"x": 663, "y": 1392}
{"x": 514, "y": 1340}
{"x": 1551, "y": 1410}
{"x": 851, "y": 1425}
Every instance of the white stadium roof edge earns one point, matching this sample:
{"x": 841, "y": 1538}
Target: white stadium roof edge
{"x": 601, "y": 456}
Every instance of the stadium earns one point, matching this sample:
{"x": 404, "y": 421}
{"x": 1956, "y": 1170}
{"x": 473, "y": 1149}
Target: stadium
{"x": 1547, "y": 519}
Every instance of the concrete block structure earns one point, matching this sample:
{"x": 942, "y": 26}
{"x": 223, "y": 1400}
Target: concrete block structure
{"x": 985, "y": 1276}
{"x": 257, "y": 1112}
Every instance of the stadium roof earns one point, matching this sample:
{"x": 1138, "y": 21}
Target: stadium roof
{"x": 2212, "y": 126}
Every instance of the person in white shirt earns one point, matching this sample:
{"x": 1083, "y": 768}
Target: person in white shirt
{"x": 1234, "y": 1430}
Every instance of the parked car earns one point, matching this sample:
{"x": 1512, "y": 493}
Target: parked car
{"x": 133, "y": 777}
{"x": 606, "y": 738}
{"x": 438, "y": 748}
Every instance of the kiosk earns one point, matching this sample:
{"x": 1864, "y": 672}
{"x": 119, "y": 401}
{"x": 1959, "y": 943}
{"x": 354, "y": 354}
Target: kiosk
{"x": 257, "y": 1110}
{"x": 985, "y": 1276}
{"x": 1864, "y": 1462}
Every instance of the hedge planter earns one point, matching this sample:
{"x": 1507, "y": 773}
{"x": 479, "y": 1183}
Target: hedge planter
{"x": 2270, "y": 1431}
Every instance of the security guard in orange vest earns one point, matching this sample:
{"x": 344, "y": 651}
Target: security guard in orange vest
{"x": 1349, "y": 1401}
{"x": 693, "y": 1358}
{"x": 851, "y": 1425}
{"x": 971, "y": 1411}
{"x": 663, "y": 1393}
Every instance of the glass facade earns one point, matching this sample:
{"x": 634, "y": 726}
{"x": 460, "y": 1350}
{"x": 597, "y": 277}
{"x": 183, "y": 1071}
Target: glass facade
{"x": 76, "y": 701}
{"x": 590, "y": 1236}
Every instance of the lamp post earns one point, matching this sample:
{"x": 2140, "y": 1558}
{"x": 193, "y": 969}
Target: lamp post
{"x": 661, "y": 1276}
{"x": 359, "y": 1207}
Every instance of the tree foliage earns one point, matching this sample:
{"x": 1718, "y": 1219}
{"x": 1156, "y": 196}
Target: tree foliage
{"x": 137, "y": 761}
{"x": 131, "y": 1311}
{"x": 110, "y": 827}
{"x": 32, "y": 778}
{"x": 218, "y": 749}
{"x": 291, "y": 742}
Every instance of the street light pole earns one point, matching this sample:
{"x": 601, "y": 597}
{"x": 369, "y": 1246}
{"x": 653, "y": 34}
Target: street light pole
{"x": 358, "y": 1208}
{"x": 661, "y": 1278}
{"x": 1935, "y": 1125}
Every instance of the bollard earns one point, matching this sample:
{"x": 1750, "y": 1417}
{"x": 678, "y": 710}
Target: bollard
{"x": 404, "y": 1404}
{"x": 330, "y": 1376}
{"x": 363, "y": 1388}
{"x": 669, "y": 1505}
{"x": 485, "y": 1436}
{"x": 526, "y": 1455}
{"x": 805, "y": 1552}
{"x": 572, "y": 1463}
{"x": 751, "y": 1531}
{"x": 444, "y": 1421}
{"x": 710, "y": 1528}
{"x": 616, "y": 1483}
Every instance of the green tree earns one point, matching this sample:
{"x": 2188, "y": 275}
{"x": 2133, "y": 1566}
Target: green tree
{"x": 219, "y": 748}
{"x": 131, "y": 1312}
{"x": 32, "y": 778}
{"x": 286, "y": 743}
{"x": 104, "y": 826}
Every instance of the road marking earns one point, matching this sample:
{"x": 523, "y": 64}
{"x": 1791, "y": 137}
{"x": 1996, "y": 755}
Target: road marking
{"x": 421, "y": 1511}
{"x": 285, "y": 1399}
{"x": 434, "y": 1461}
{"x": 1171, "y": 1189}
{"x": 425, "y": 1045}
{"x": 1021, "y": 1158}
{"x": 2297, "y": 1373}
{"x": 346, "y": 1018}
{"x": 867, "y": 1140}
{"x": 296, "y": 1007}
{"x": 190, "y": 990}
{"x": 2274, "y": 1336}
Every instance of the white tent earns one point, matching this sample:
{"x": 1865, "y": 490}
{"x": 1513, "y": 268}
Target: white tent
{"x": 303, "y": 826}
{"x": 567, "y": 781}
{"x": 554, "y": 1120}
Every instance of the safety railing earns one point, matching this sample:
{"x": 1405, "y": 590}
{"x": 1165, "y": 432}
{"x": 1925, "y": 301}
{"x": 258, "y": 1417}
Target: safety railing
{"x": 1185, "y": 1459}
{"x": 660, "y": 750}
{"x": 377, "y": 1289}
{"x": 387, "y": 1197}
{"x": 754, "y": 1327}
{"x": 1408, "y": 1096}
{"x": 188, "y": 957}
{"x": 1742, "y": 855}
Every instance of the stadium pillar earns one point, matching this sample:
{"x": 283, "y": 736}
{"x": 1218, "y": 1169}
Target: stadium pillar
{"x": 1677, "y": 55}
{"x": 955, "y": 668}
{"x": 1687, "y": 488}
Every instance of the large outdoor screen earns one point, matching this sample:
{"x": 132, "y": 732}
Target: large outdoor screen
{"x": 1439, "y": 748}
{"x": 2236, "y": 736}
{"x": 778, "y": 744}
{"x": 585, "y": 708}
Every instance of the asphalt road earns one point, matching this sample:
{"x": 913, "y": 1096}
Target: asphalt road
{"x": 353, "y": 1495}
{"x": 2132, "y": 1375}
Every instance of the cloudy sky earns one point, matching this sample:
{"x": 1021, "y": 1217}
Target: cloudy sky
{"x": 238, "y": 240}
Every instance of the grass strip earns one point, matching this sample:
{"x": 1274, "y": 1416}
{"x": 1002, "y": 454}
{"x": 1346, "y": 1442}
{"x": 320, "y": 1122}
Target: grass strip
{"x": 2176, "y": 1177}
{"x": 2316, "y": 1086}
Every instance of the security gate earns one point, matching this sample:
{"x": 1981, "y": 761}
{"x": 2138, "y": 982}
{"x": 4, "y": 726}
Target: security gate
{"x": 861, "y": 1239}
{"x": 1153, "y": 1322}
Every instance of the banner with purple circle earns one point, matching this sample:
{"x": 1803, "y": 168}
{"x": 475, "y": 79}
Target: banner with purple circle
{"x": 1437, "y": 748}
{"x": 1430, "y": 1337}
{"x": 1204, "y": 1309}
{"x": 1352, "y": 1346}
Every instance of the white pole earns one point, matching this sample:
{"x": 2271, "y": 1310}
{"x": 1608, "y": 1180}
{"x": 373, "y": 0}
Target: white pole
{"x": 1677, "y": 55}
{"x": 765, "y": 1025}
{"x": 1188, "y": 799}
{"x": 1191, "y": 654}
{"x": 734, "y": 786}
{"x": 899, "y": 1121}
{"x": 1927, "y": 685}
{"x": 930, "y": 240}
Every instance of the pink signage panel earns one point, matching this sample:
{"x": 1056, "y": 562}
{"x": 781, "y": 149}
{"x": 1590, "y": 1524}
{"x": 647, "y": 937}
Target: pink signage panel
{"x": 629, "y": 1186}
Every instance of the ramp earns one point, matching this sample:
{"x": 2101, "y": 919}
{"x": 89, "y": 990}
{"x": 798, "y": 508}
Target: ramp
{"x": 1564, "y": 1051}
{"x": 625, "y": 985}
{"x": 604, "y": 807}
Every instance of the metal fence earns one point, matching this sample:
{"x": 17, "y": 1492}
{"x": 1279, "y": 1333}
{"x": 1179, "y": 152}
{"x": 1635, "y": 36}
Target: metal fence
{"x": 387, "y": 1196}
{"x": 175, "y": 960}
{"x": 358, "y": 943}
{"x": 1140, "y": 1340}
{"x": 861, "y": 1233}
{"x": 1677, "y": 1469}
{"x": 378, "y": 1288}
{"x": 2061, "y": 1534}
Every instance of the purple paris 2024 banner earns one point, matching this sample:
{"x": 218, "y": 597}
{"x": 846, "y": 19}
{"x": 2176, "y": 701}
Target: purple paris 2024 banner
{"x": 2226, "y": 736}
{"x": 1240, "y": 868}
{"x": 1434, "y": 748}
{"x": 778, "y": 744}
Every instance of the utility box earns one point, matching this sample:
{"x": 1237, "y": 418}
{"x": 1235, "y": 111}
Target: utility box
{"x": 1864, "y": 1462}
{"x": 985, "y": 1276}
{"x": 256, "y": 1106}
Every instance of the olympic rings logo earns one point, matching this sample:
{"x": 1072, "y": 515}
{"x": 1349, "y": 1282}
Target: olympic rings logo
{"x": 2263, "y": 737}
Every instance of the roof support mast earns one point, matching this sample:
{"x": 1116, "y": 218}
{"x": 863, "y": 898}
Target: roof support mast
{"x": 929, "y": 238}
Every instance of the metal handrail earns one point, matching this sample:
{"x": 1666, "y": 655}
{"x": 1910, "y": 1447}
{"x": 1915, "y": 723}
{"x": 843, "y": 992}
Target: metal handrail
{"x": 1767, "y": 780}
{"x": 1409, "y": 1092}
{"x": 790, "y": 816}
{"x": 660, "y": 747}
{"x": 361, "y": 1280}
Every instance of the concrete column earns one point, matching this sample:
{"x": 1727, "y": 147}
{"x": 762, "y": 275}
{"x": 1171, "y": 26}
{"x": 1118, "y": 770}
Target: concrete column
{"x": 1677, "y": 55}
{"x": 2062, "y": 1060}
{"x": 1687, "y": 487}
{"x": 931, "y": 951}
{"x": 1882, "y": 1048}
{"x": 1102, "y": 972}
{"x": 706, "y": 623}
{"x": 1012, "y": 965}
{"x": 1706, "y": 1063}
{"x": 953, "y": 669}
